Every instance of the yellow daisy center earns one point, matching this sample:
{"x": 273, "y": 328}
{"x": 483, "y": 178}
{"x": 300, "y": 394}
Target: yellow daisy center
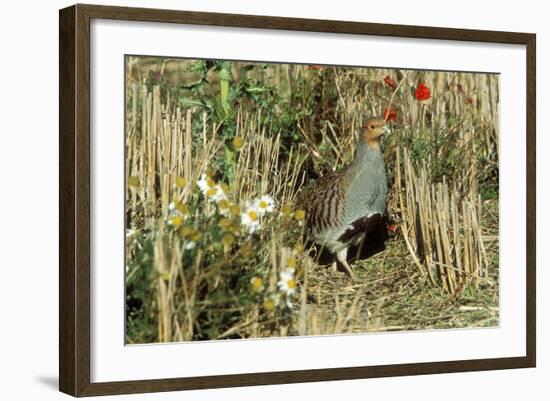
{"x": 238, "y": 142}
{"x": 253, "y": 215}
{"x": 291, "y": 283}
{"x": 299, "y": 215}
{"x": 299, "y": 248}
{"x": 186, "y": 231}
{"x": 182, "y": 207}
{"x": 224, "y": 223}
{"x": 269, "y": 304}
{"x": 263, "y": 204}
{"x": 234, "y": 228}
{"x": 228, "y": 239}
{"x": 181, "y": 182}
{"x": 225, "y": 187}
{"x": 286, "y": 210}
{"x": 177, "y": 221}
{"x": 257, "y": 283}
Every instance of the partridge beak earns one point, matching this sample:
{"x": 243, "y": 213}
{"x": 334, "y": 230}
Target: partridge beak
{"x": 386, "y": 130}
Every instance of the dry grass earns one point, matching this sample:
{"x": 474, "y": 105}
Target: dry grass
{"x": 394, "y": 294}
{"x": 440, "y": 271}
{"x": 441, "y": 228}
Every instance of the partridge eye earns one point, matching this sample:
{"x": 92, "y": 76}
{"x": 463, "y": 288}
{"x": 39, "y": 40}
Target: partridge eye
{"x": 372, "y": 127}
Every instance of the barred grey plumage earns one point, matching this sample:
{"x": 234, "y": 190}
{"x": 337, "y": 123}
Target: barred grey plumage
{"x": 339, "y": 205}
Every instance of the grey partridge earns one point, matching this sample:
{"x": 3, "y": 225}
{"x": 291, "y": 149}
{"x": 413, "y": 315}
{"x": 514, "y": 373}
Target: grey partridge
{"x": 340, "y": 205}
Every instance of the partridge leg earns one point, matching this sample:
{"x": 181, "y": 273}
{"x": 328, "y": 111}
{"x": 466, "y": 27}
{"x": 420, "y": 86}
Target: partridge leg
{"x": 342, "y": 258}
{"x": 334, "y": 267}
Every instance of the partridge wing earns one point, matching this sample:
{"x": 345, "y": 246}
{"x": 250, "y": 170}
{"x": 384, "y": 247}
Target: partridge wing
{"x": 324, "y": 202}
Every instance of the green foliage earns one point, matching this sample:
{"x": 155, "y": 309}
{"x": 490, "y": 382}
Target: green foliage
{"x": 141, "y": 313}
{"x": 488, "y": 190}
{"x": 420, "y": 148}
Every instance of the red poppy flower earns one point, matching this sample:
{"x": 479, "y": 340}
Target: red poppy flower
{"x": 422, "y": 92}
{"x": 315, "y": 67}
{"x": 469, "y": 100}
{"x": 390, "y": 82}
{"x": 393, "y": 228}
{"x": 390, "y": 114}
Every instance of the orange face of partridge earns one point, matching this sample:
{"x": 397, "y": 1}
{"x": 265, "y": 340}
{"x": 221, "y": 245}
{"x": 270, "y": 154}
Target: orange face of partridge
{"x": 373, "y": 129}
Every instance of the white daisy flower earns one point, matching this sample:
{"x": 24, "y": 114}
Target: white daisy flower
{"x": 257, "y": 284}
{"x": 288, "y": 303}
{"x": 189, "y": 245}
{"x": 202, "y": 183}
{"x": 217, "y": 193}
{"x": 271, "y": 302}
{"x": 265, "y": 204}
{"x": 287, "y": 283}
{"x": 130, "y": 233}
{"x": 251, "y": 219}
{"x": 214, "y": 192}
{"x": 176, "y": 221}
{"x": 224, "y": 207}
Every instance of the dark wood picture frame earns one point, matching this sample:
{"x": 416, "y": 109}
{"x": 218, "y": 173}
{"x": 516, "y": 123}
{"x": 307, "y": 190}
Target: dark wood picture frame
{"x": 74, "y": 199}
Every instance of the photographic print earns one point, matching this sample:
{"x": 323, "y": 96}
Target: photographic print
{"x": 275, "y": 199}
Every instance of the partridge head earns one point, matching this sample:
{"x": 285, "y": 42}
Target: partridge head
{"x": 373, "y": 130}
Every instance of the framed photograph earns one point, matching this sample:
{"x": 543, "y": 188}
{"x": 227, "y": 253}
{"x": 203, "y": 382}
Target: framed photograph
{"x": 250, "y": 200}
